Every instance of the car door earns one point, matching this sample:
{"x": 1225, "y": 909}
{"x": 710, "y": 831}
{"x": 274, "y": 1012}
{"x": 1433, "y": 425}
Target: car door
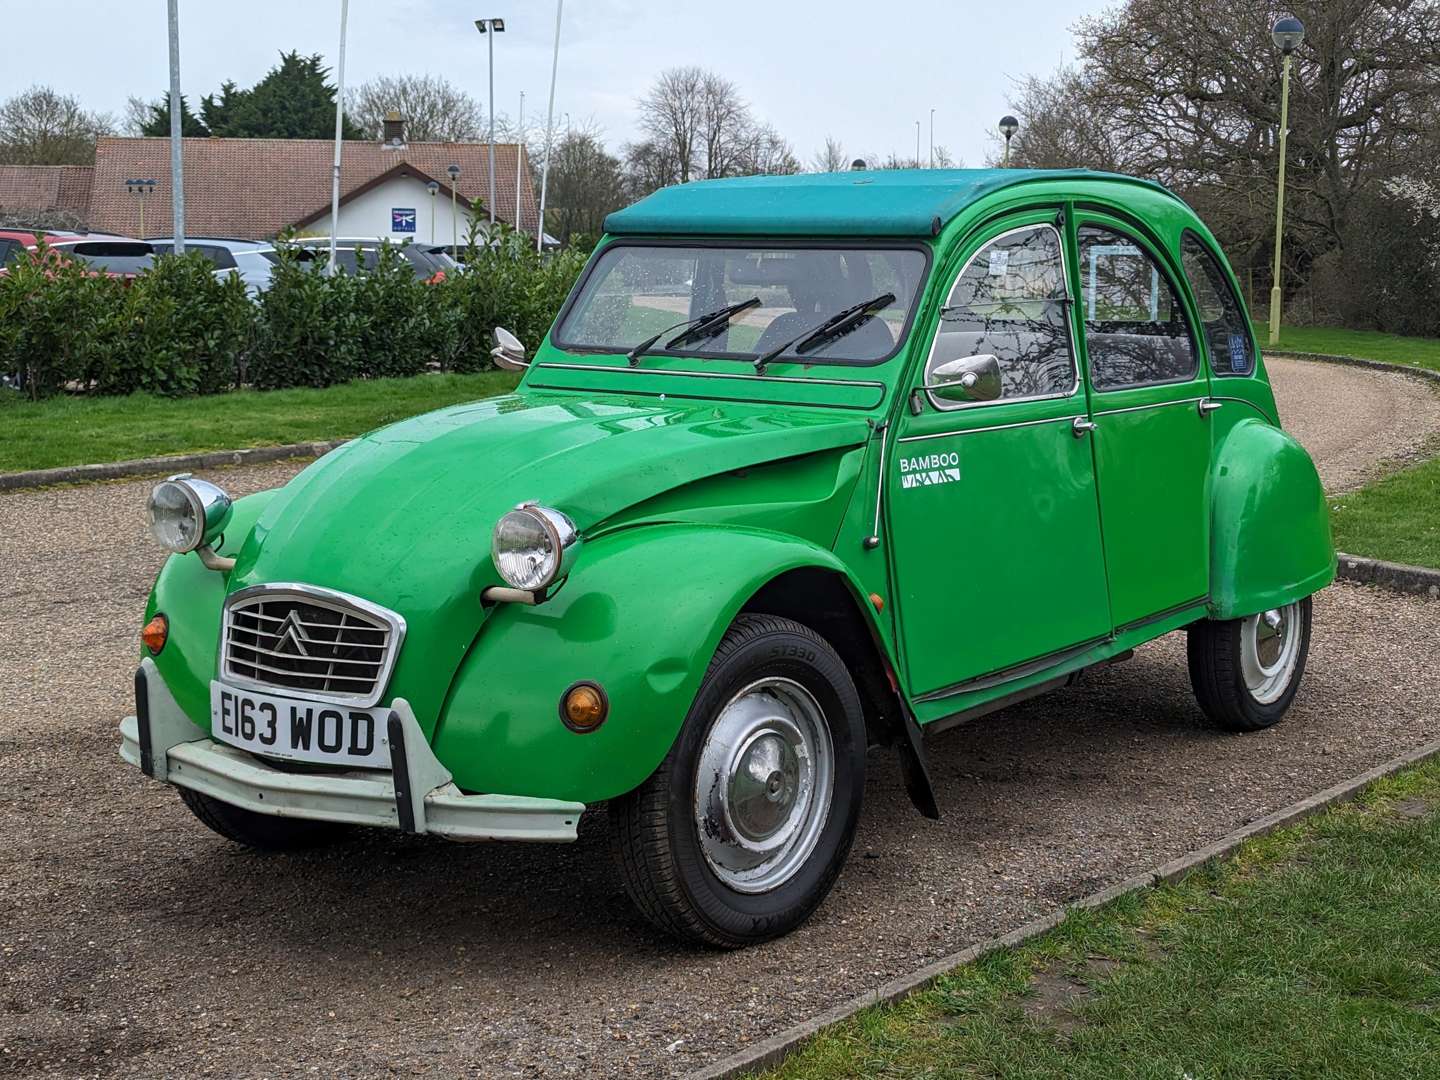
{"x": 1149, "y": 401}
{"x": 991, "y": 501}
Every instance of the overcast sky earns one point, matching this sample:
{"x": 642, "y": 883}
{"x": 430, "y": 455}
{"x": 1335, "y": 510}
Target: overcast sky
{"x": 860, "y": 72}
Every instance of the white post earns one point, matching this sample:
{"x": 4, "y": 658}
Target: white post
{"x": 339, "y": 136}
{"x": 549, "y": 124}
{"x": 491, "y": 38}
{"x": 177, "y": 159}
{"x": 932, "y": 138}
{"x": 519, "y": 145}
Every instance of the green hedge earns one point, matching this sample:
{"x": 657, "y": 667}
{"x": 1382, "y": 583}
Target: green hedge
{"x": 178, "y": 330}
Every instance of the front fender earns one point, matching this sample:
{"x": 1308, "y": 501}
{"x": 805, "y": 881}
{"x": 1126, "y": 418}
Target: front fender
{"x": 641, "y": 614}
{"x": 1270, "y": 534}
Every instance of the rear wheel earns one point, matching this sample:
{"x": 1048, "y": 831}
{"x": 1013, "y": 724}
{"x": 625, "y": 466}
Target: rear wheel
{"x": 1246, "y": 672}
{"x": 741, "y": 832}
{"x": 263, "y": 831}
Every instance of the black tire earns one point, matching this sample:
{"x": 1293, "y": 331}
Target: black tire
{"x": 654, "y": 836}
{"x": 264, "y": 832}
{"x": 1218, "y": 678}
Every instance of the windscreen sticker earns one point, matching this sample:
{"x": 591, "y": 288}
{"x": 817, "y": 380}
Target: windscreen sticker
{"x": 929, "y": 469}
{"x": 999, "y": 262}
{"x": 1239, "y": 354}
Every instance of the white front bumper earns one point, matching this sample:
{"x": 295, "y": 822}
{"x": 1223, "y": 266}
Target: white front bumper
{"x": 160, "y": 740}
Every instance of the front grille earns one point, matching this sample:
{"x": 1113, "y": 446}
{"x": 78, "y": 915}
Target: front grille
{"x": 320, "y": 643}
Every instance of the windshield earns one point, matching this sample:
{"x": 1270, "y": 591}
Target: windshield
{"x": 635, "y": 291}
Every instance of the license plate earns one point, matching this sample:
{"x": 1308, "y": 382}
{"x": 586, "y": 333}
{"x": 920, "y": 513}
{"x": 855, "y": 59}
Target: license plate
{"x": 298, "y": 729}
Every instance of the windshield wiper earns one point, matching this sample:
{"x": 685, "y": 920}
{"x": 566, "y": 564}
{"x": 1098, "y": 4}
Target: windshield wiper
{"x": 842, "y": 322}
{"x": 696, "y": 329}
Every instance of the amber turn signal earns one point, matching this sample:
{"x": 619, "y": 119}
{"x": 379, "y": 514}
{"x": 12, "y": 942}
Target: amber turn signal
{"x": 154, "y": 634}
{"x": 584, "y": 706}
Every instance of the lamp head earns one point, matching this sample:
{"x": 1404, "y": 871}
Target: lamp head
{"x": 1287, "y": 33}
{"x": 1008, "y": 126}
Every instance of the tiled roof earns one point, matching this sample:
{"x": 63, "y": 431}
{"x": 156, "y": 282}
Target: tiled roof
{"x": 256, "y": 187}
{"x": 44, "y": 188}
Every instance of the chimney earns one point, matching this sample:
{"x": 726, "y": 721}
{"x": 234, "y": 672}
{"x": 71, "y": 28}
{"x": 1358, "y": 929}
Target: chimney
{"x": 394, "y": 131}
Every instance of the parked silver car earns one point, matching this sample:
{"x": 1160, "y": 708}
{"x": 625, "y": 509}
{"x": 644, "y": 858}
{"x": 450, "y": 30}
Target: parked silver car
{"x": 252, "y": 260}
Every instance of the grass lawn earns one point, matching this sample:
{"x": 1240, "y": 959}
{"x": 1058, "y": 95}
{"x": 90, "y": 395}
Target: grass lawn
{"x": 79, "y": 431}
{"x": 1367, "y": 344}
{"x": 1312, "y": 954}
{"x": 1396, "y": 519}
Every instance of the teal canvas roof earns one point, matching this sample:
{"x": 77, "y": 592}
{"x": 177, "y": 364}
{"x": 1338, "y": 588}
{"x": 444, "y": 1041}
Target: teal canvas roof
{"x": 882, "y": 202}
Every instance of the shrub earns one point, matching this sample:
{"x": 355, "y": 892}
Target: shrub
{"x": 181, "y": 330}
{"x": 393, "y": 312}
{"x": 308, "y": 333}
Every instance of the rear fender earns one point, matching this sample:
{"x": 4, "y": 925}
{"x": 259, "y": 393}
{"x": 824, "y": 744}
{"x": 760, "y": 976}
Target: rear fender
{"x": 1270, "y": 534}
{"x": 641, "y": 614}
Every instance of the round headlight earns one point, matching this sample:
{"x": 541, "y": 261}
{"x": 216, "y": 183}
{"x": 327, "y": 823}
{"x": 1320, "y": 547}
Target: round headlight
{"x": 532, "y": 546}
{"x": 186, "y": 513}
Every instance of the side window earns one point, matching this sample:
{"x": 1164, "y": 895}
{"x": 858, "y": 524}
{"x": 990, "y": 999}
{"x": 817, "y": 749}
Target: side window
{"x": 220, "y": 256}
{"x": 1136, "y": 333}
{"x": 8, "y": 249}
{"x": 1223, "y": 316}
{"x": 1009, "y": 302}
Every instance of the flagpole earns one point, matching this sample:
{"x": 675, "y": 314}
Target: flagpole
{"x": 339, "y": 136}
{"x": 549, "y": 131}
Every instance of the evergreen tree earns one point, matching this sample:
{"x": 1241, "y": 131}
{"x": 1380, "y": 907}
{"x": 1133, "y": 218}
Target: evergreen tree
{"x": 157, "y": 120}
{"x": 292, "y": 101}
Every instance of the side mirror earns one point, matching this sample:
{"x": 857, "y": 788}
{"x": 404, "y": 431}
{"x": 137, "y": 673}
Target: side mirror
{"x": 970, "y": 378}
{"x": 508, "y": 353}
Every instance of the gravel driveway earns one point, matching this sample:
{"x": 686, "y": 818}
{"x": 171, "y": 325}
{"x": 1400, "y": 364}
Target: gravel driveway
{"x": 137, "y": 943}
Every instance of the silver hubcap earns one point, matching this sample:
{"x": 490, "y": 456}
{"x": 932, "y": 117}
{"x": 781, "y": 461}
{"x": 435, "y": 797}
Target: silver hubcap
{"x": 763, "y": 787}
{"x": 1269, "y": 651}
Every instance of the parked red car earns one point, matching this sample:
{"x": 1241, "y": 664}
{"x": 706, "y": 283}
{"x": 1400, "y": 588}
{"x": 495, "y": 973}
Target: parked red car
{"x": 103, "y": 253}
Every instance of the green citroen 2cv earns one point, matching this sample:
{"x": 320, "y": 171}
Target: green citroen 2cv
{"x": 807, "y": 465}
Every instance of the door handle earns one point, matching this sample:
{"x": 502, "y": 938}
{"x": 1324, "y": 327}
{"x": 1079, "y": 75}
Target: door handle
{"x": 1207, "y": 406}
{"x": 1080, "y": 427}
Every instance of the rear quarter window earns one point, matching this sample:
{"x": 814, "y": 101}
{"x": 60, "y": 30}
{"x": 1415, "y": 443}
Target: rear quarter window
{"x": 1222, "y": 316}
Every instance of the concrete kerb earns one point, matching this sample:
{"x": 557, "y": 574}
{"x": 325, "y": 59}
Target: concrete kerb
{"x": 777, "y": 1048}
{"x": 115, "y": 470}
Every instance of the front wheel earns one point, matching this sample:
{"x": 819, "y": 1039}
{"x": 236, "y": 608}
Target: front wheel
{"x": 741, "y": 832}
{"x": 1246, "y": 672}
{"x": 262, "y": 831}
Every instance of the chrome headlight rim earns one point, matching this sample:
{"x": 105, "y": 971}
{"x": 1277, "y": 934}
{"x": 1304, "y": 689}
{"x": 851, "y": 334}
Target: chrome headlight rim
{"x": 561, "y": 533}
{"x": 210, "y": 507}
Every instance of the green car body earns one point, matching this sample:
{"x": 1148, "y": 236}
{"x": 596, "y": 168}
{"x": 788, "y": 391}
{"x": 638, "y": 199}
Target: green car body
{"x": 956, "y": 554}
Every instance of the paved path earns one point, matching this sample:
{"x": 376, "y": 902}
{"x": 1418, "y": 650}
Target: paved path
{"x": 136, "y": 943}
{"x": 1354, "y": 420}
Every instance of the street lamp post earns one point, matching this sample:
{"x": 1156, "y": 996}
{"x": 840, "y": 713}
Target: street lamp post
{"x": 1008, "y": 126}
{"x": 1287, "y": 33}
{"x": 177, "y": 143}
{"x": 142, "y": 190}
{"x": 932, "y": 138}
{"x": 917, "y": 144}
{"x": 454, "y": 171}
{"x": 491, "y": 27}
{"x": 433, "y": 188}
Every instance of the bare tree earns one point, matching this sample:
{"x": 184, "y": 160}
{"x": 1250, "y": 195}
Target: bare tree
{"x": 434, "y": 110}
{"x": 585, "y": 184}
{"x": 42, "y": 127}
{"x": 672, "y": 115}
{"x": 649, "y": 166}
{"x": 1190, "y": 94}
{"x": 1061, "y": 126}
{"x": 725, "y": 126}
{"x": 830, "y": 159}
{"x": 762, "y": 151}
